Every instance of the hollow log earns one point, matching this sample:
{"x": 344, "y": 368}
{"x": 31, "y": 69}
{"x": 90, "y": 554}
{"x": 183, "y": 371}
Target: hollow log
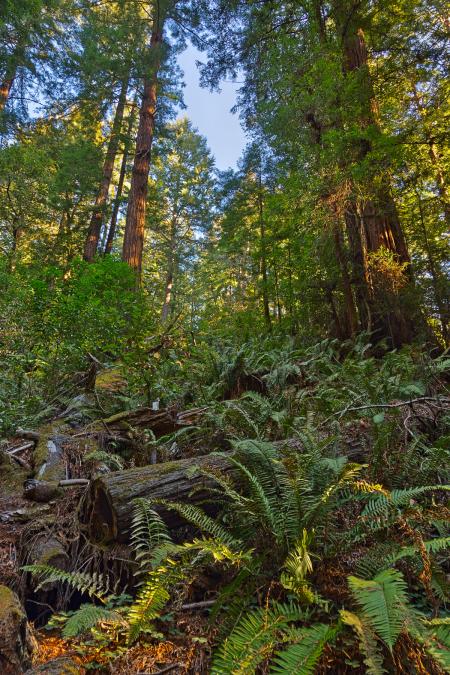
{"x": 106, "y": 509}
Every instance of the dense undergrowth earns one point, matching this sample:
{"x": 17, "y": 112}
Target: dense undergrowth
{"x": 328, "y": 552}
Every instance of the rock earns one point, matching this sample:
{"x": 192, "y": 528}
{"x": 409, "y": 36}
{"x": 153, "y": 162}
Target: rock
{"x": 17, "y": 643}
{"x": 60, "y": 666}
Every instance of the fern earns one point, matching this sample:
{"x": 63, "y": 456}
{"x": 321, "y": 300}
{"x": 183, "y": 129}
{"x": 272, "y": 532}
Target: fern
{"x": 253, "y": 639}
{"x": 367, "y": 642}
{"x": 383, "y": 601}
{"x": 380, "y": 506}
{"x": 148, "y": 532}
{"x": 93, "y": 585}
{"x": 86, "y": 617}
{"x": 301, "y": 658}
{"x": 152, "y": 598}
{"x": 112, "y": 461}
{"x": 296, "y": 567}
{"x": 388, "y": 553}
{"x": 196, "y": 516}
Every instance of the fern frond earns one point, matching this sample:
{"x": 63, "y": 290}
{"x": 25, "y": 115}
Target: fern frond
{"x": 301, "y": 658}
{"x": 367, "y": 642}
{"x": 196, "y": 516}
{"x": 219, "y": 551}
{"x": 259, "y": 503}
{"x": 152, "y": 598}
{"x": 148, "y": 531}
{"x": 380, "y": 506}
{"x": 86, "y": 617}
{"x": 253, "y": 639}
{"x": 383, "y": 601}
{"x": 94, "y": 584}
{"x": 296, "y": 567}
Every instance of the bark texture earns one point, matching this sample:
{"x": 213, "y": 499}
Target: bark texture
{"x": 133, "y": 243}
{"x": 95, "y": 226}
{"x": 119, "y": 190}
{"x": 17, "y": 643}
{"x": 372, "y": 222}
{"x": 106, "y": 510}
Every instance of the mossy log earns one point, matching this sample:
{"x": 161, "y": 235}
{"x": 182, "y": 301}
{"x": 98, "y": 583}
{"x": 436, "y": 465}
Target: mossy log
{"x": 161, "y": 422}
{"x": 17, "y": 643}
{"x": 45, "y": 549}
{"x": 106, "y": 509}
{"x": 48, "y": 456}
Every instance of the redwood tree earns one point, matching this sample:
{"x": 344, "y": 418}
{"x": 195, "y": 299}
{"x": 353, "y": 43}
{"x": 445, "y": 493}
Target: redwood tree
{"x": 95, "y": 226}
{"x": 133, "y": 243}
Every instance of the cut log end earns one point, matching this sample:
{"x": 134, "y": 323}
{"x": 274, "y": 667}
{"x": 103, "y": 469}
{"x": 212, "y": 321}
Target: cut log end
{"x": 97, "y": 515}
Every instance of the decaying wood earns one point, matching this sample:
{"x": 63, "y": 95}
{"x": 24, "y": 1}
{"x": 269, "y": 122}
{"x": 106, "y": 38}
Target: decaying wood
{"x": 41, "y": 491}
{"x": 106, "y": 509}
{"x": 161, "y": 422}
{"x": 20, "y": 448}
{"x": 73, "y": 482}
{"x": 45, "y": 549}
{"x": 22, "y": 462}
{"x": 45, "y": 491}
{"x": 17, "y": 642}
{"x": 49, "y": 459}
{"x": 28, "y": 433}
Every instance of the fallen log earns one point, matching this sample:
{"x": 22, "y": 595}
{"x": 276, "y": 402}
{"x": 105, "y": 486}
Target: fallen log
{"x": 42, "y": 491}
{"x": 106, "y": 508}
{"x": 161, "y": 422}
{"x": 29, "y": 434}
{"x": 46, "y": 491}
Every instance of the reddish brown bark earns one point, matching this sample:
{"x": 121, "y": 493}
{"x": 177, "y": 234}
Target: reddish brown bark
{"x": 133, "y": 243}
{"x": 5, "y": 88}
{"x": 118, "y": 197}
{"x": 95, "y": 226}
{"x": 351, "y": 319}
{"x": 373, "y": 223}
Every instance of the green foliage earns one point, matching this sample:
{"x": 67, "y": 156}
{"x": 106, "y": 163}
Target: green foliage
{"x": 148, "y": 531}
{"x": 85, "y": 618}
{"x": 152, "y": 598}
{"x": 301, "y": 657}
{"x": 253, "y": 638}
{"x": 367, "y": 641}
{"x": 93, "y": 585}
{"x": 384, "y": 603}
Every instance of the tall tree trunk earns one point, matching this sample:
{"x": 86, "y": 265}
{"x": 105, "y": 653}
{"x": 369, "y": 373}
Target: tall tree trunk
{"x": 277, "y": 294}
{"x": 119, "y": 190}
{"x": 263, "y": 261}
{"x": 170, "y": 273}
{"x": 95, "y": 226}
{"x": 372, "y": 222}
{"x": 133, "y": 243}
{"x": 437, "y": 279}
{"x": 351, "y": 320}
